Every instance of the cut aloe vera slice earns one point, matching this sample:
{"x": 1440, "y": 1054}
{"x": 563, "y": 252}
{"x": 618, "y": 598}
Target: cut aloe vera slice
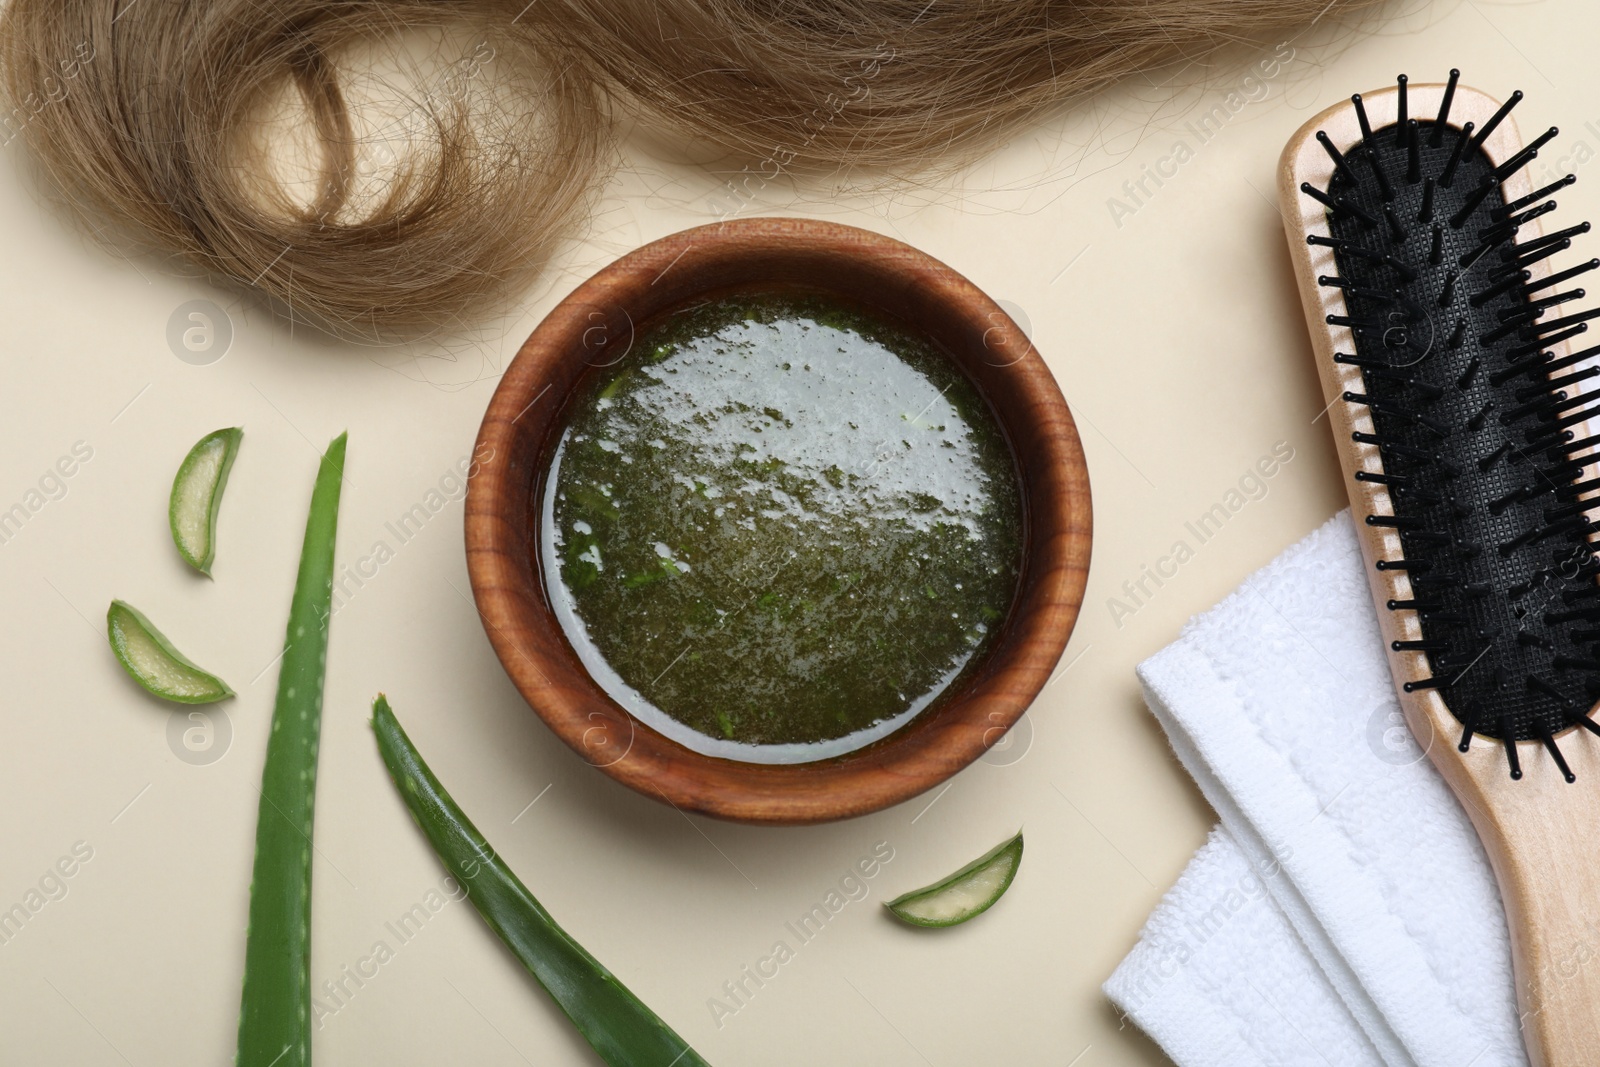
{"x": 197, "y": 494}
{"x": 150, "y": 659}
{"x": 969, "y": 892}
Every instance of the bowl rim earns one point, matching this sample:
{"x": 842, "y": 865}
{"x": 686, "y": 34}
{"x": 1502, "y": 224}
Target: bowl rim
{"x": 510, "y": 464}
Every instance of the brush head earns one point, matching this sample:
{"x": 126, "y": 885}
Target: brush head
{"x": 1478, "y": 424}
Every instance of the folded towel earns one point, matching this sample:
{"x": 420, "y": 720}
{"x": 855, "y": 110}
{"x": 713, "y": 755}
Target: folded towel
{"x": 1378, "y": 937}
{"x": 1220, "y": 977}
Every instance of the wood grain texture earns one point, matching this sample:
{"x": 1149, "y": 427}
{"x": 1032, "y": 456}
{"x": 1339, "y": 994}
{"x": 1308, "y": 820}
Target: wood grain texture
{"x": 1542, "y": 835}
{"x": 593, "y": 327}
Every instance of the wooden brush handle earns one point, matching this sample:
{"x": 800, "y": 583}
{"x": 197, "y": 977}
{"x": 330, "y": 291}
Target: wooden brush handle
{"x": 1541, "y": 833}
{"x": 1543, "y": 839}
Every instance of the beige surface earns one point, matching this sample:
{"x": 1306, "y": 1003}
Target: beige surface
{"x": 1178, "y": 340}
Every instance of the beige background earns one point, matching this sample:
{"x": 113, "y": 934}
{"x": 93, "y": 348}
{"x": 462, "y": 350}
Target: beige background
{"x": 1178, "y": 341}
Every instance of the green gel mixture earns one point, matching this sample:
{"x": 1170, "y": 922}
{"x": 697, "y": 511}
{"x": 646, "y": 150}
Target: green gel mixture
{"x": 781, "y": 527}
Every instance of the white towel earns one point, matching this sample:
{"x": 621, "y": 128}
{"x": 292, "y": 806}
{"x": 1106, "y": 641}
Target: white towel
{"x": 1375, "y": 933}
{"x": 1220, "y": 977}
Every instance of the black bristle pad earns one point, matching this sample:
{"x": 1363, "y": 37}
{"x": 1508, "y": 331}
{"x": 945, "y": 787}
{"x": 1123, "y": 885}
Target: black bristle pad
{"x": 1505, "y": 593}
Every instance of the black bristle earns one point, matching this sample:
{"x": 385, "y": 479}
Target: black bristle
{"x": 1505, "y": 284}
{"x": 1516, "y": 353}
{"x": 1581, "y": 462}
{"x": 1586, "y": 442}
{"x": 1394, "y": 522}
{"x": 1578, "y": 416}
{"x": 1420, "y": 646}
{"x": 1395, "y": 229}
{"x": 1561, "y": 276}
{"x": 1549, "y": 439}
{"x": 1471, "y": 423}
{"x": 1516, "y": 496}
{"x": 1444, "y": 108}
{"x": 1558, "y": 383}
{"x": 1532, "y": 198}
{"x": 1518, "y": 221}
{"x": 1447, "y": 295}
{"x": 1567, "y": 405}
{"x": 1528, "y": 153}
{"x": 1321, "y": 197}
{"x": 1496, "y": 456}
{"x": 1495, "y": 120}
{"x": 1510, "y": 328}
{"x": 1402, "y": 268}
{"x": 1511, "y": 748}
{"x": 1566, "y": 320}
{"x": 1398, "y": 447}
{"x": 1373, "y": 153}
{"x": 1350, "y": 249}
{"x": 1572, "y": 360}
{"x": 1520, "y": 314}
{"x": 1448, "y": 176}
{"x": 1555, "y": 300}
{"x": 1401, "y": 124}
{"x": 1339, "y": 161}
{"x": 1361, "y": 117}
{"x": 1533, "y": 407}
{"x": 1356, "y": 361}
{"x": 1579, "y": 488}
{"x": 1555, "y": 752}
{"x": 1336, "y": 205}
{"x": 1528, "y": 259}
{"x": 1560, "y": 235}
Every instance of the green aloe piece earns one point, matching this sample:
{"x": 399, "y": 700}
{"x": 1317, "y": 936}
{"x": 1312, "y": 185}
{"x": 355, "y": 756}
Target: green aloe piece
{"x": 969, "y": 892}
{"x": 197, "y": 495}
{"x": 274, "y": 1015}
{"x": 620, "y": 1027}
{"x": 152, "y": 661}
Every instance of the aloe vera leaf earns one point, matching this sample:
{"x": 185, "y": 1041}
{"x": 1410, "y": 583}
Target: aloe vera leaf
{"x": 274, "y": 1020}
{"x": 967, "y": 893}
{"x": 152, "y": 661}
{"x": 197, "y": 496}
{"x": 616, "y": 1023}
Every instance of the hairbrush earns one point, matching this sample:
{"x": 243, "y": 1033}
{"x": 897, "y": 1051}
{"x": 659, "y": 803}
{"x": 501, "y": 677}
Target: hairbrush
{"x": 1461, "y": 407}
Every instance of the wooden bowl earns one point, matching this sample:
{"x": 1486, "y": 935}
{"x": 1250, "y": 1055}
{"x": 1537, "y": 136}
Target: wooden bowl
{"x": 594, "y": 326}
